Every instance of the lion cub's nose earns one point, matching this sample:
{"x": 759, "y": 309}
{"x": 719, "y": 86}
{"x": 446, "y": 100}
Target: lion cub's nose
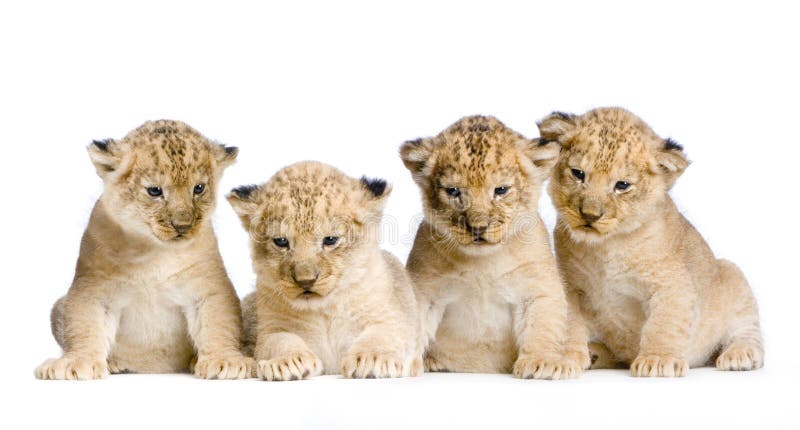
{"x": 181, "y": 228}
{"x": 305, "y": 275}
{"x": 306, "y": 284}
{"x": 590, "y": 216}
{"x": 477, "y": 230}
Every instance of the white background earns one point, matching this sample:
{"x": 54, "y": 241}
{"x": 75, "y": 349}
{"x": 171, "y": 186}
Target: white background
{"x": 347, "y": 84}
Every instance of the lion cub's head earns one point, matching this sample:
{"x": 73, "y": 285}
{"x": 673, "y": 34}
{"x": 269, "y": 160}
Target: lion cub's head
{"x": 612, "y": 173}
{"x": 312, "y": 230}
{"x": 480, "y": 181}
{"x": 160, "y": 180}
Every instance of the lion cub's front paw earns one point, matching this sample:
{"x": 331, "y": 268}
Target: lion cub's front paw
{"x": 541, "y": 368}
{"x": 656, "y": 365}
{"x": 744, "y": 357}
{"x": 372, "y": 365}
{"x": 582, "y": 358}
{"x": 223, "y": 367}
{"x": 72, "y": 368}
{"x": 289, "y": 368}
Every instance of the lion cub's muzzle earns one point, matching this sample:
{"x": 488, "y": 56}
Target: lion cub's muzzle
{"x": 475, "y": 227}
{"x": 477, "y": 232}
{"x": 305, "y": 276}
{"x": 590, "y": 212}
{"x": 182, "y": 223}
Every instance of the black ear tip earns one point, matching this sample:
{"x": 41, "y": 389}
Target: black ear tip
{"x": 671, "y": 145}
{"x": 376, "y": 186}
{"x": 562, "y": 115}
{"x": 231, "y": 150}
{"x": 101, "y": 144}
{"x": 244, "y": 192}
{"x": 413, "y": 142}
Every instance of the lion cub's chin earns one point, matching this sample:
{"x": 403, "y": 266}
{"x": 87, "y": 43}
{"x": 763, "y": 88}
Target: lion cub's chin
{"x": 595, "y": 235}
{"x": 480, "y": 248}
{"x": 308, "y": 301}
{"x": 589, "y": 235}
{"x": 173, "y": 240}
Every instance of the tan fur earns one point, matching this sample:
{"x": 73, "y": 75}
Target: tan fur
{"x": 146, "y": 297}
{"x": 488, "y": 287}
{"x": 357, "y": 315}
{"x": 640, "y": 278}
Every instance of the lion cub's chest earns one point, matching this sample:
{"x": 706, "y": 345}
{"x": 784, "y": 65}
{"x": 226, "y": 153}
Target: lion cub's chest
{"x": 478, "y": 306}
{"x": 149, "y": 306}
{"x": 613, "y": 293}
{"x": 330, "y": 335}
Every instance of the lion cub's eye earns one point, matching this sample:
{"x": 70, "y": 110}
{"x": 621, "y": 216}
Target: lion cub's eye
{"x": 330, "y": 240}
{"x": 281, "y": 242}
{"x": 452, "y": 191}
{"x": 621, "y": 186}
{"x": 199, "y": 188}
{"x": 579, "y": 174}
{"x": 499, "y": 191}
{"x": 155, "y": 191}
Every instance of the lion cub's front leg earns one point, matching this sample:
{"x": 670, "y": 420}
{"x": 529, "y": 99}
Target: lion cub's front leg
{"x": 215, "y": 327}
{"x": 284, "y": 356}
{"x": 541, "y": 334}
{"x": 541, "y": 339}
{"x": 374, "y": 354}
{"x": 665, "y": 335}
{"x": 576, "y": 347}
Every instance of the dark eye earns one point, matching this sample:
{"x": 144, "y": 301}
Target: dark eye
{"x": 578, "y": 174}
{"x": 499, "y": 191}
{"x": 199, "y": 188}
{"x": 154, "y": 191}
{"x": 452, "y": 191}
{"x": 281, "y": 242}
{"x": 330, "y": 240}
{"x": 621, "y": 186}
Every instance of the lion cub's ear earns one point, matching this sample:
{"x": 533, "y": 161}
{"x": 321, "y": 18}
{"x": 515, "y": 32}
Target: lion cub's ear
{"x": 542, "y": 153}
{"x": 417, "y": 155}
{"x": 558, "y": 126}
{"x": 669, "y": 160}
{"x": 226, "y": 155}
{"x": 106, "y": 155}
{"x": 375, "y": 193}
{"x": 245, "y": 202}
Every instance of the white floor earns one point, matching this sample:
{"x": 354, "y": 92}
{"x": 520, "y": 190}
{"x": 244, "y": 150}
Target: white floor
{"x": 603, "y": 399}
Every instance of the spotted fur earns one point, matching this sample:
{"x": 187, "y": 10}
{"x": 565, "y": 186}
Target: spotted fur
{"x": 481, "y": 261}
{"x": 640, "y": 279}
{"x": 326, "y": 306}
{"x": 150, "y": 292}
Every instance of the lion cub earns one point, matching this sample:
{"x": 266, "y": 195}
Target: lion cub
{"x": 641, "y": 280}
{"x": 328, "y": 300}
{"x": 150, "y": 292}
{"x": 488, "y": 287}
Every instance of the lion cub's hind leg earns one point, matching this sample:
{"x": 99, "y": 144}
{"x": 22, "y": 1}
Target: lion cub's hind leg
{"x": 57, "y": 321}
{"x": 249, "y": 325}
{"x": 742, "y": 347}
{"x": 68, "y": 367}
